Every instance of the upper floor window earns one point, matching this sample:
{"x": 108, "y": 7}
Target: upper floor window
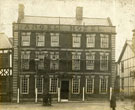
{"x": 41, "y": 56}
{"x": 104, "y": 58}
{"x": 104, "y": 40}
{"x": 54, "y": 39}
{"x": 40, "y": 39}
{"x": 54, "y": 64}
{"x": 76, "y": 61}
{"x": 90, "y": 60}
{"x": 122, "y": 66}
{"x": 25, "y": 59}
{"x": 90, "y": 40}
{"x": 25, "y": 38}
{"x": 76, "y": 40}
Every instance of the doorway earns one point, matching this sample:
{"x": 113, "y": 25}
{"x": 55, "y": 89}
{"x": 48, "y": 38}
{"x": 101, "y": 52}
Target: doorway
{"x": 64, "y": 89}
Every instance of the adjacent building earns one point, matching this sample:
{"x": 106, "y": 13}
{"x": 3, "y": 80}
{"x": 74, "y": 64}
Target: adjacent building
{"x": 126, "y": 67}
{"x": 71, "y": 58}
{"x": 5, "y": 68}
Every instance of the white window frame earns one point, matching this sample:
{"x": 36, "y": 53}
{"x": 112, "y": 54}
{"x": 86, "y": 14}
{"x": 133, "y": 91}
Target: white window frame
{"x": 101, "y": 61}
{"x": 78, "y": 92}
{"x": 21, "y": 88}
{"x": 90, "y": 57}
{"x": 41, "y": 85}
{"x": 54, "y": 56}
{"x": 91, "y": 78}
{"x": 104, "y": 41}
{"x": 90, "y": 40}
{"x": 76, "y": 40}
{"x": 25, "y": 56}
{"x": 39, "y": 42}
{"x": 76, "y": 58}
{"x": 100, "y": 85}
{"x": 50, "y": 86}
{"x": 54, "y": 39}
{"x": 25, "y": 38}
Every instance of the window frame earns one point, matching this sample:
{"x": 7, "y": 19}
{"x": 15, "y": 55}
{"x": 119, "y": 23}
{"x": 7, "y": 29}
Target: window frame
{"x": 55, "y": 36}
{"x": 102, "y": 61}
{"x": 104, "y": 40}
{"x": 21, "y": 87}
{"x": 54, "y": 59}
{"x": 40, "y": 41}
{"x": 106, "y": 85}
{"x": 76, "y": 61}
{"x": 90, "y": 37}
{"x": 40, "y": 85}
{"x": 25, "y": 35}
{"x": 78, "y": 92}
{"x": 50, "y": 86}
{"x": 25, "y": 58}
{"x": 90, "y": 78}
{"x": 90, "y": 57}
{"x": 76, "y": 40}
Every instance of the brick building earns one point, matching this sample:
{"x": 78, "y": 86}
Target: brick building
{"x": 5, "y": 68}
{"x": 72, "y": 58}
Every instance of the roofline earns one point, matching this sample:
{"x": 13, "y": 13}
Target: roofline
{"x": 66, "y": 24}
{"x": 123, "y": 49}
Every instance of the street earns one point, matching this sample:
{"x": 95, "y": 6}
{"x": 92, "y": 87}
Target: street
{"x": 96, "y": 105}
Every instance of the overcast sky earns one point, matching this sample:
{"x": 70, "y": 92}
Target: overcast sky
{"x": 121, "y": 12}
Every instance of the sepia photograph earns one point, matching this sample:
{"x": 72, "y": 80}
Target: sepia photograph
{"x": 67, "y": 54}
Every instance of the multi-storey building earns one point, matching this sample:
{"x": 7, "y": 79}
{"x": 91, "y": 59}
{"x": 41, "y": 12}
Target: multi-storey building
{"x": 5, "y": 68}
{"x": 126, "y": 67}
{"x": 70, "y": 57}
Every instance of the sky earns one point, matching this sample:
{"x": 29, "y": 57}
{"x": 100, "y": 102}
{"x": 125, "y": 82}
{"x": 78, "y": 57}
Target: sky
{"x": 121, "y": 13}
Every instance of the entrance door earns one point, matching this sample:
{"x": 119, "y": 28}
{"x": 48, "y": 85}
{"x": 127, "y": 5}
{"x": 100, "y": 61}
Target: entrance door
{"x": 64, "y": 89}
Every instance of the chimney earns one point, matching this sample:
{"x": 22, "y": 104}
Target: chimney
{"x": 79, "y": 13}
{"x": 133, "y": 39}
{"x": 20, "y": 12}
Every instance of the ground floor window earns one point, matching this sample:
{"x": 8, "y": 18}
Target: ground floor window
{"x": 39, "y": 84}
{"x": 53, "y": 85}
{"x": 24, "y": 86}
{"x": 76, "y": 85}
{"x": 103, "y": 85}
{"x": 90, "y": 85}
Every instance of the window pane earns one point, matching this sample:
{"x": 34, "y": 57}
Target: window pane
{"x": 53, "y": 85}
{"x": 76, "y": 40}
{"x": 25, "y": 38}
{"x": 76, "y": 86}
{"x": 90, "y": 60}
{"x": 90, "y": 40}
{"x": 89, "y": 85}
{"x": 104, "y": 62}
{"x": 40, "y": 39}
{"x": 24, "y": 85}
{"x": 39, "y": 85}
{"x": 54, "y": 39}
{"x": 104, "y": 40}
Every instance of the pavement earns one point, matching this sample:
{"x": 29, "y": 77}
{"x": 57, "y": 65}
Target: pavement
{"x": 92, "y": 105}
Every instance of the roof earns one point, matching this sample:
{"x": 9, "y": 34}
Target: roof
{"x": 66, "y": 20}
{"x": 4, "y": 41}
{"x": 127, "y": 43}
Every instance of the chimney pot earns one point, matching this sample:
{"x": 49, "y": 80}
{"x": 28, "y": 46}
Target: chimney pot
{"x": 79, "y": 13}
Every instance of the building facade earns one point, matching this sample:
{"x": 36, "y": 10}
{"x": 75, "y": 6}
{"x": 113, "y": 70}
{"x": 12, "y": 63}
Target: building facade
{"x": 71, "y": 58}
{"x": 5, "y": 68}
{"x": 126, "y": 68}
